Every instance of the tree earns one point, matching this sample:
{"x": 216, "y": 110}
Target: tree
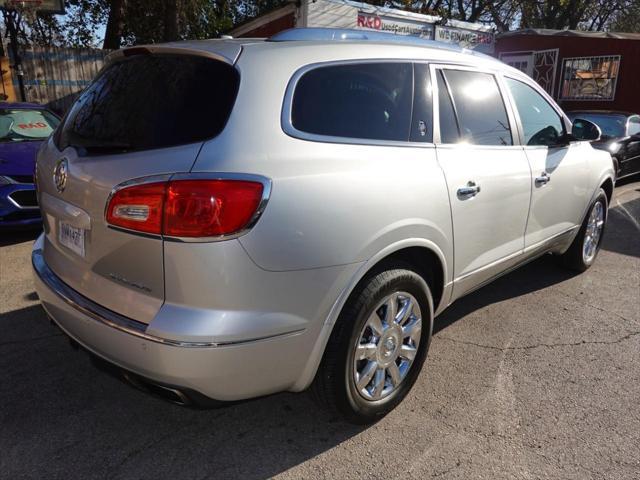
{"x": 115, "y": 24}
{"x": 616, "y": 16}
{"x": 131, "y": 22}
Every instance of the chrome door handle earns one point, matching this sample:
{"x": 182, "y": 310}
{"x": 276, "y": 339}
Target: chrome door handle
{"x": 543, "y": 179}
{"x": 469, "y": 190}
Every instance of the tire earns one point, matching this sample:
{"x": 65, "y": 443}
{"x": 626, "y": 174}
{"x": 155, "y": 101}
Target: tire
{"x": 576, "y": 258}
{"x": 335, "y": 383}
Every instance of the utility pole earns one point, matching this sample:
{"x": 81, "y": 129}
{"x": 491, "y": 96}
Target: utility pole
{"x": 12, "y": 28}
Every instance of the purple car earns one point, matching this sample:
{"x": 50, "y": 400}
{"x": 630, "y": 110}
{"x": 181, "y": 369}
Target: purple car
{"x": 23, "y": 127}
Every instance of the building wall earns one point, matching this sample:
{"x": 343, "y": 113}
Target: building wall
{"x": 358, "y": 15}
{"x": 271, "y": 28}
{"x": 626, "y": 92}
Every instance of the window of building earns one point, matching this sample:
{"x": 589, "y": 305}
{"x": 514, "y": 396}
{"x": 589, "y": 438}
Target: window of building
{"x": 589, "y": 78}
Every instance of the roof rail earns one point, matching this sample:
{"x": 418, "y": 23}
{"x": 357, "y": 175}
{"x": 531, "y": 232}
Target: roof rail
{"x": 346, "y": 35}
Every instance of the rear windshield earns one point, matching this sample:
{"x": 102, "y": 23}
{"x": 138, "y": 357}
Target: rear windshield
{"x": 20, "y": 125}
{"x": 151, "y": 101}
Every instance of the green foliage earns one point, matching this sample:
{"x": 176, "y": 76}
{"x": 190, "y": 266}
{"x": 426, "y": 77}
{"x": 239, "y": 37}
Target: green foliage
{"x": 151, "y": 21}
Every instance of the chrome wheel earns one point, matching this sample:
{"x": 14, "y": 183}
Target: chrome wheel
{"x": 387, "y": 346}
{"x": 593, "y": 232}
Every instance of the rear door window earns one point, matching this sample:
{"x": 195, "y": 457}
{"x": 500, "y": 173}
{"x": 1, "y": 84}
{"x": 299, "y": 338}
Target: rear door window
{"x": 449, "y": 131}
{"x": 481, "y": 113}
{"x": 151, "y": 101}
{"x": 360, "y": 101}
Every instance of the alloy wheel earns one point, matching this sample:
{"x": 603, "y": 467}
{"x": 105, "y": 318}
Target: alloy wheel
{"x": 593, "y": 232}
{"x": 387, "y": 346}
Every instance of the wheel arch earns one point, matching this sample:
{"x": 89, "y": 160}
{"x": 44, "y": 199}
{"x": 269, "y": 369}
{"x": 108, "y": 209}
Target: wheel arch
{"x": 424, "y": 255}
{"x": 607, "y": 186}
{"x": 428, "y": 260}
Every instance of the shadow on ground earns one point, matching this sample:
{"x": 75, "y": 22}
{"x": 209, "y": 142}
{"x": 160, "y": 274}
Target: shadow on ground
{"x": 59, "y": 407}
{"x": 12, "y": 237}
{"x": 618, "y": 239}
{"x": 70, "y": 419}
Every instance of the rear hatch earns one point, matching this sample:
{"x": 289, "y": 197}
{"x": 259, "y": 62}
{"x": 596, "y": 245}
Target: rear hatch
{"x": 146, "y": 114}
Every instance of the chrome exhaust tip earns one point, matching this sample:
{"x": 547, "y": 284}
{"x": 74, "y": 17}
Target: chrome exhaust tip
{"x": 170, "y": 394}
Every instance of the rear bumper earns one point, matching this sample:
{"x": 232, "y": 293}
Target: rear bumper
{"x": 222, "y": 371}
{"x": 15, "y": 213}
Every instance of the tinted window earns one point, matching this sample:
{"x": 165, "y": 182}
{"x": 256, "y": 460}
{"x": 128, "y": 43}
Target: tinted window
{"x": 421, "y": 124}
{"x": 634, "y": 126}
{"x": 540, "y": 122}
{"x": 481, "y": 113}
{"x": 371, "y": 101}
{"x": 151, "y": 101}
{"x": 449, "y": 132}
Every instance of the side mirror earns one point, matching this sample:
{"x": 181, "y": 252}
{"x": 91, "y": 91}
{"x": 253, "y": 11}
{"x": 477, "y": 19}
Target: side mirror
{"x": 585, "y": 130}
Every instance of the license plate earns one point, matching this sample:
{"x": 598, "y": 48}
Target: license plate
{"x": 72, "y": 238}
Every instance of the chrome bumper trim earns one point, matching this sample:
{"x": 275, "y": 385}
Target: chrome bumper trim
{"x": 112, "y": 319}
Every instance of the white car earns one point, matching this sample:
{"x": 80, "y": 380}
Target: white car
{"x": 232, "y": 218}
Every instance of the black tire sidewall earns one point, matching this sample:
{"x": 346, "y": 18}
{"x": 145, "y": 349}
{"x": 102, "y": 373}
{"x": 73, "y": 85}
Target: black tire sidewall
{"x": 353, "y": 404}
{"x": 573, "y": 257}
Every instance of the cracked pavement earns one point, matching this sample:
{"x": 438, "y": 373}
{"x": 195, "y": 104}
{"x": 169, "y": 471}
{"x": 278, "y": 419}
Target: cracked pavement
{"x": 536, "y": 375}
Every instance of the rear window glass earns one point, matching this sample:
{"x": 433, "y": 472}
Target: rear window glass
{"x": 364, "y": 100}
{"x": 17, "y": 125}
{"x": 151, "y": 101}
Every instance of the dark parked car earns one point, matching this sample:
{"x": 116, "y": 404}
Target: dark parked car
{"x": 23, "y": 127}
{"x": 620, "y": 137}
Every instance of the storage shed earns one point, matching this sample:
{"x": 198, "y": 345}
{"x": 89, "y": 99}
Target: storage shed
{"x": 359, "y": 15}
{"x": 581, "y": 70}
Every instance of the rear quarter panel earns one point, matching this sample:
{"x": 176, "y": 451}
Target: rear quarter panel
{"x": 331, "y": 203}
{"x": 600, "y": 166}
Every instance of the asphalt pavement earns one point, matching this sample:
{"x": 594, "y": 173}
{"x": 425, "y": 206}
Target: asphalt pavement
{"x": 534, "y": 376}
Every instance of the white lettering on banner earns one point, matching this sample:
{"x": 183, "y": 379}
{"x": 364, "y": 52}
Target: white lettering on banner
{"x": 466, "y": 38}
{"x": 393, "y": 25}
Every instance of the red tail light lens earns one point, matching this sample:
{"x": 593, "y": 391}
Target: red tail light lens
{"x": 209, "y": 208}
{"x": 186, "y": 208}
{"x": 138, "y": 207}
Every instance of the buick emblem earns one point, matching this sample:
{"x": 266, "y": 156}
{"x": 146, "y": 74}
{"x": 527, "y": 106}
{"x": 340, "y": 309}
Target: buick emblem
{"x": 60, "y": 173}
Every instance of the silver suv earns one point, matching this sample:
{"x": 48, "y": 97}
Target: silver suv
{"x": 226, "y": 219}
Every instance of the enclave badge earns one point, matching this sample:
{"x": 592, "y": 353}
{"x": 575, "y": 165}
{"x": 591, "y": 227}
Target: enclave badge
{"x": 60, "y": 173}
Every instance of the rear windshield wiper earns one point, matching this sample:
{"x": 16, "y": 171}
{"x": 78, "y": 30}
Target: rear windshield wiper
{"x": 103, "y": 147}
{"x": 96, "y": 145}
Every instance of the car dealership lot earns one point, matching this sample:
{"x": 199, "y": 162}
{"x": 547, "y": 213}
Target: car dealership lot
{"x": 534, "y": 376}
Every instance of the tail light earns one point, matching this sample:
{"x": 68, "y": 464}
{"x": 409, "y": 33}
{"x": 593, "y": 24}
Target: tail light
{"x": 186, "y": 208}
{"x": 138, "y": 207}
